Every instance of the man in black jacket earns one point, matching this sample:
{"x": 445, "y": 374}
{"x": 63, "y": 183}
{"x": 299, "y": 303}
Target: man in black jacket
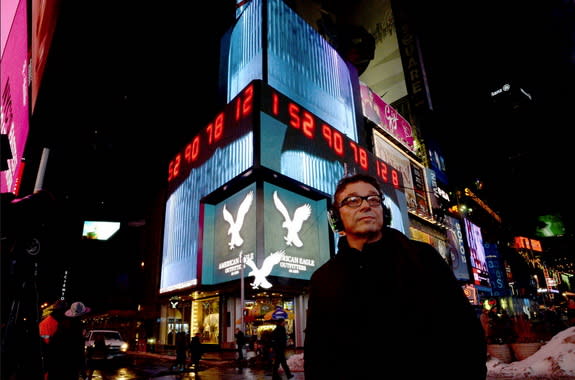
{"x": 386, "y": 306}
{"x": 279, "y": 344}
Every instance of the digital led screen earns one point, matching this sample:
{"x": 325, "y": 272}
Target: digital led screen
{"x": 317, "y": 155}
{"x": 456, "y": 246}
{"x": 14, "y": 119}
{"x": 476, "y": 254}
{"x": 497, "y": 274}
{"x": 226, "y": 128}
{"x": 287, "y": 139}
{"x": 295, "y": 236}
{"x": 522, "y": 242}
{"x": 550, "y": 225}
{"x": 44, "y": 19}
{"x": 420, "y": 189}
{"x": 99, "y": 230}
{"x": 386, "y": 117}
{"x": 8, "y": 10}
{"x": 383, "y": 149}
{"x": 297, "y": 61}
{"x": 221, "y": 151}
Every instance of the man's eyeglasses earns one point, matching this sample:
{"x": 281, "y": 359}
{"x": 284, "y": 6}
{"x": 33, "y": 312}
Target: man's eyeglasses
{"x": 355, "y": 201}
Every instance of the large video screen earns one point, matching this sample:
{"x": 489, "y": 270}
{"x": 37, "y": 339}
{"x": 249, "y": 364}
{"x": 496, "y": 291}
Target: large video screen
{"x": 477, "y": 254}
{"x": 14, "y": 121}
{"x": 221, "y": 151}
{"x": 297, "y": 61}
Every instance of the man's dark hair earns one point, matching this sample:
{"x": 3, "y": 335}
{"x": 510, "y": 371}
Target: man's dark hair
{"x": 353, "y": 179}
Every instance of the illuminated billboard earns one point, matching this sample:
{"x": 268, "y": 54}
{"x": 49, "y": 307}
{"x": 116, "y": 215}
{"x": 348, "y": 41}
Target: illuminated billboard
{"x": 284, "y": 51}
{"x": 221, "y": 151}
{"x": 261, "y": 129}
{"x": 456, "y": 246}
{"x": 99, "y": 230}
{"x": 476, "y": 254}
{"x": 550, "y": 225}
{"x": 386, "y": 117}
{"x": 44, "y": 19}
{"x": 295, "y": 238}
{"x": 316, "y": 154}
{"x": 14, "y": 119}
{"x": 497, "y": 274}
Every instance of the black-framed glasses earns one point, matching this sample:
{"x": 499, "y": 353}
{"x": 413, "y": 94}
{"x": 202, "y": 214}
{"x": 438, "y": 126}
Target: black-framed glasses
{"x": 356, "y": 200}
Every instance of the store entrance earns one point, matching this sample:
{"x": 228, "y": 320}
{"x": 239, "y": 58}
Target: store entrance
{"x": 261, "y": 315}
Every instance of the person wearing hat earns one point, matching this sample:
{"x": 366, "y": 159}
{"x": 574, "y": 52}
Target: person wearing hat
{"x": 68, "y": 357}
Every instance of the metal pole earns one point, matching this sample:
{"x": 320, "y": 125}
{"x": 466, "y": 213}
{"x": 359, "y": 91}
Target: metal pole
{"x": 242, "y": 301}
{"x": 41, "y": 170}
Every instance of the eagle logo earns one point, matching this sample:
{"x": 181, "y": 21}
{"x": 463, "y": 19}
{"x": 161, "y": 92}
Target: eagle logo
{"x": 294, "y": 225}
{"x": 236, "y": 225}
{"x": 260, "y": 274}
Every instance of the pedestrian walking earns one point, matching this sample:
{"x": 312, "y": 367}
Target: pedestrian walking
{"x": 181, "y": 351}
{"x": 279, "y": 344}
{"x": 48, "y": 327}
{"x": 377, "y": 266}
{"x": 240, "y": 343}
{"x": 68, "y": 356}
{"x": 196, "y": 351}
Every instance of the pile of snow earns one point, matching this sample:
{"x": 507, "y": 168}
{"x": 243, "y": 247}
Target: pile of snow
{"x": 295, "y": 362}
{"x": 554, "y": 360}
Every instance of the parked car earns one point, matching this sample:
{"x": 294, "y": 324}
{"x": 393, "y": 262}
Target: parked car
{"x": 115, "y": 347}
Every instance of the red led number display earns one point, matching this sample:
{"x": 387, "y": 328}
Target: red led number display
{"x": 204, "y": 143}
{"x": 313, "y": 128}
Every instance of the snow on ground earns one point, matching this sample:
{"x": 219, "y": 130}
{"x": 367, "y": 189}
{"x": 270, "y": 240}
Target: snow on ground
{"x": 295, "y": 362}
{"x": 554, "y": 360}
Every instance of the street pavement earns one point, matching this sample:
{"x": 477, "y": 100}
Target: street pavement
{"x": 213, "y": 366}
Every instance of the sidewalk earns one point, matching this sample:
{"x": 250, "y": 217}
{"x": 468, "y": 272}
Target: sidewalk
{"x": 219, "y": 365}
{"x": 217, "y": 358}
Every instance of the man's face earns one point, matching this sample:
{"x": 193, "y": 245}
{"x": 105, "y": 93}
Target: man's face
{"x": 365, "y": 219}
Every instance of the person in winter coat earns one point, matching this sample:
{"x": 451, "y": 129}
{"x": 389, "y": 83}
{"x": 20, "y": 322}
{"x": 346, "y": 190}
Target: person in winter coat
{"x": 48, "y": 327}
{"x": 279, "y": 344}
{"x": 240, "y": 342}
{"x": 181, "y": 351}
{"x": 385, "y": 303}
{"x": 67, "y": 346}
{"x": 196, "y": 351}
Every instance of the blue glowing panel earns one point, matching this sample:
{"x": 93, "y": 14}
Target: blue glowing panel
{"x": 298, "y": 62}
{"x": 181, "y": 227}
{"x": 220, "y": 152}
{"x": 497, "y": 274}
{"x": 242, "y": 53}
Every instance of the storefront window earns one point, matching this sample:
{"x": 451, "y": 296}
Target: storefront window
{"x": 206, "y": 319}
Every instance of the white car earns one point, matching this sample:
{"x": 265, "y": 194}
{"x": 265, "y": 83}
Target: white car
{"x": 116, "y": 347}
